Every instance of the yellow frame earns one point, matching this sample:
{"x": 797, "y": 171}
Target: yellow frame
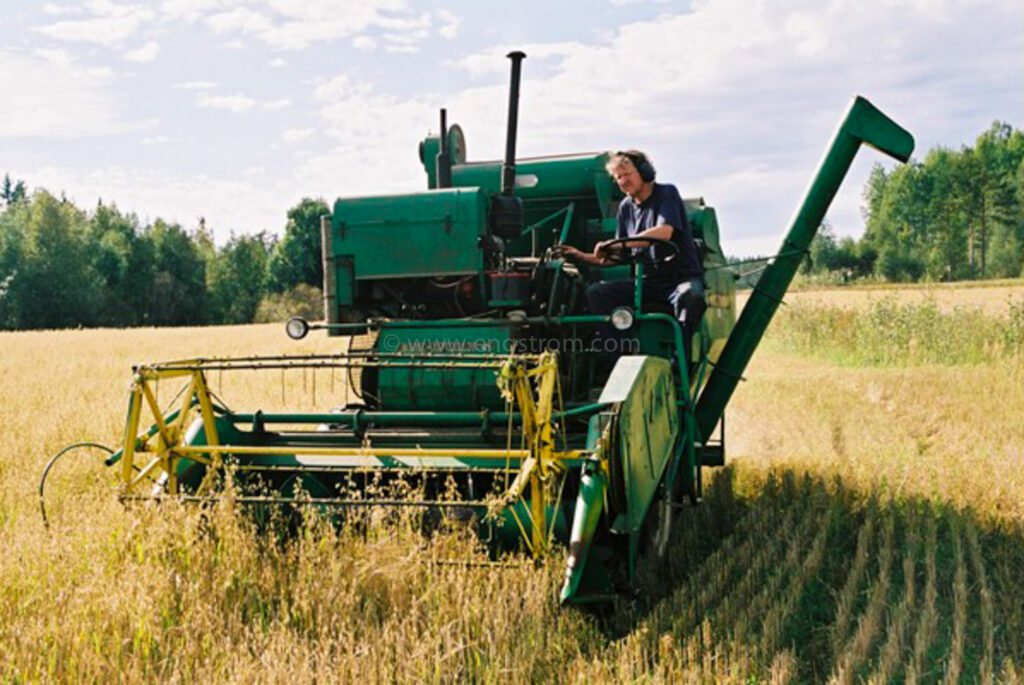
{"x": 528, "y": 383}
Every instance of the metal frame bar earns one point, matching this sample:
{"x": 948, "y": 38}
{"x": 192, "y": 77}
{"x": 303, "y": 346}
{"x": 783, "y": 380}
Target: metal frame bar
{"x": 529, "y": 381}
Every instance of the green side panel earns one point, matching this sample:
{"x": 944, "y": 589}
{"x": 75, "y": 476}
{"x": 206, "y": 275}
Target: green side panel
{"x": 720, "y": 316}
{"x": 566, "y": 176}
{"x": 434, "y": 233}
{"x": 444, "y": 388}
{"x": 649, "y": 425}
{"x": 557, "y": 179}
{"x": 705, "y": 229}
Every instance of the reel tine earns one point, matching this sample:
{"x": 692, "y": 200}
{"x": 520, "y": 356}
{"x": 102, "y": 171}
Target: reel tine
{"x": 49, "y": 465}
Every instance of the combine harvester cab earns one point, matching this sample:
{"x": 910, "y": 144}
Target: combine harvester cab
{"x": 480, "y": 388}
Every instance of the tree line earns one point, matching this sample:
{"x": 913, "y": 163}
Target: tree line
{"x": 957, "y": 215}
{"x": 62, "y": 266}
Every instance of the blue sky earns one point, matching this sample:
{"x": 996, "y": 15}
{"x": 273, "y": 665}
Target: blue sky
{"x": 235, "y": 109}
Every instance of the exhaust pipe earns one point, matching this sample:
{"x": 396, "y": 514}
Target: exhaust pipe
{"x": 443, "y": 163}
{"x": 508, "y": 169}
{"x": 506, "y": 208}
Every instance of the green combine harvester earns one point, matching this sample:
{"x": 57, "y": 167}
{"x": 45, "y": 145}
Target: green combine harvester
{"x": 482, "y": 393}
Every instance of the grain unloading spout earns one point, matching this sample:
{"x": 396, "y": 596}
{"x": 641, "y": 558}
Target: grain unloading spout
{"x": 863, "y": 123}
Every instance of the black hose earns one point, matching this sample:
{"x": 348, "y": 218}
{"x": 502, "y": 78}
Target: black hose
{"x": 53, "y": 460}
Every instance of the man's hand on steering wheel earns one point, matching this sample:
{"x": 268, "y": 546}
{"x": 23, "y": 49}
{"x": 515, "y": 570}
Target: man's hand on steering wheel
{"x": 621, "y": 250}
{"x": 578, "y": 256}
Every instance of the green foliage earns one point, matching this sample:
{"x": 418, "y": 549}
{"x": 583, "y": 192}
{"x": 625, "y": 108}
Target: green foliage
{"x": 844, "y": 257}
{"x": 957, "y": 215}
{"x": 12, "y": 192}
{"x": 302, "y": 300}
{"x": 178, "y": 294}
{"x": 62, "y": 267}
{"x": 297, "y": 257}
{"x": 46, "y": 271}
{"x": 124, "y": 257}
{"x": 237, "y": 279}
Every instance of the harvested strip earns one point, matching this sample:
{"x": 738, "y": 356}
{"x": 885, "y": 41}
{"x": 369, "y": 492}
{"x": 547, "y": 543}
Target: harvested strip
{"x": 780, "y": 612}
{"x": 987, "y": 624}
{"x": 751, "y": 615}
{"x": 848, "y": 596}
{"x": 901, "y": 617}
{"x": 929, "y": 614}
{"x": 858, "y": 648}
{"x": 954, "y": 664}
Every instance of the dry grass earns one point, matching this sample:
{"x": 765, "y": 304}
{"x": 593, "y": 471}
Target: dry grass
{"x": 992, "y": 297}
{"x": 871, "y": 528}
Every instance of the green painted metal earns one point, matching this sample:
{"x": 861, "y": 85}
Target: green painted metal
{"x": 862, "y": 124}
{"x": 720, "y": 278}
{"x": 649, "y": 424}
{"x": 555, "y": 179}
{"x": 586, "y": 518}
{"x": 402, "y": 236}
{"x": 441, "y": 389}
{"x": 362, "y": 418}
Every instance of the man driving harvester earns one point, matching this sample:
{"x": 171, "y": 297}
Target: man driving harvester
{"x": 651, "y": 217}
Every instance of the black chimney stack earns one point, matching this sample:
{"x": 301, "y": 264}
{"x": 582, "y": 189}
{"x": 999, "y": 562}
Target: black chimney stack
{"x": 443, "y": 163}
{"x": 507, "y": 209}
{"x": 508, "y": 169}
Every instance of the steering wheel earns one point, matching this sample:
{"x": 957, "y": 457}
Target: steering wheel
{"x": 618, "y": 253}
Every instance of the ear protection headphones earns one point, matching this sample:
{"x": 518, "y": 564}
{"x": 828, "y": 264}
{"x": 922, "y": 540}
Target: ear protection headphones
{"x": 641, "y": 163}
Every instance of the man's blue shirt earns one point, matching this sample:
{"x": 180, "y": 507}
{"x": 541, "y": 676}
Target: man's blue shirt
{"x": 664, "y": 206}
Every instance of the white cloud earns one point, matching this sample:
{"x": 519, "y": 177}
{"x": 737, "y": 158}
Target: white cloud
{"x": 233, "y": 103}
{"x": 449, "y": 24}
{"x": 492, "y": 61}
{"x": 110, "y": 25}
{"x": 100, "y": 72}
{"x": 240, "y": 19}
{"x": 337, "y": 88}
{"x": 283, "y": 103}
{"x": 404, "y": 42}
{"x": 228, "y": 204}
{"x": 59, "y": 56}
{"x": 736, "y": 101}
{"x": 51, "y": 96}
{"x": 277, "y": 63}
{"x": 195, "y": 85}
{"x": 146, "y": 53}
{"x": 294, "y": 135}
{"x": 55, "y": 10}
{"x": 376, "y": 132}
{"x": 296, "y": 24}
{"x": 364, "y": 43}
{"x": 189, "y": 10}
